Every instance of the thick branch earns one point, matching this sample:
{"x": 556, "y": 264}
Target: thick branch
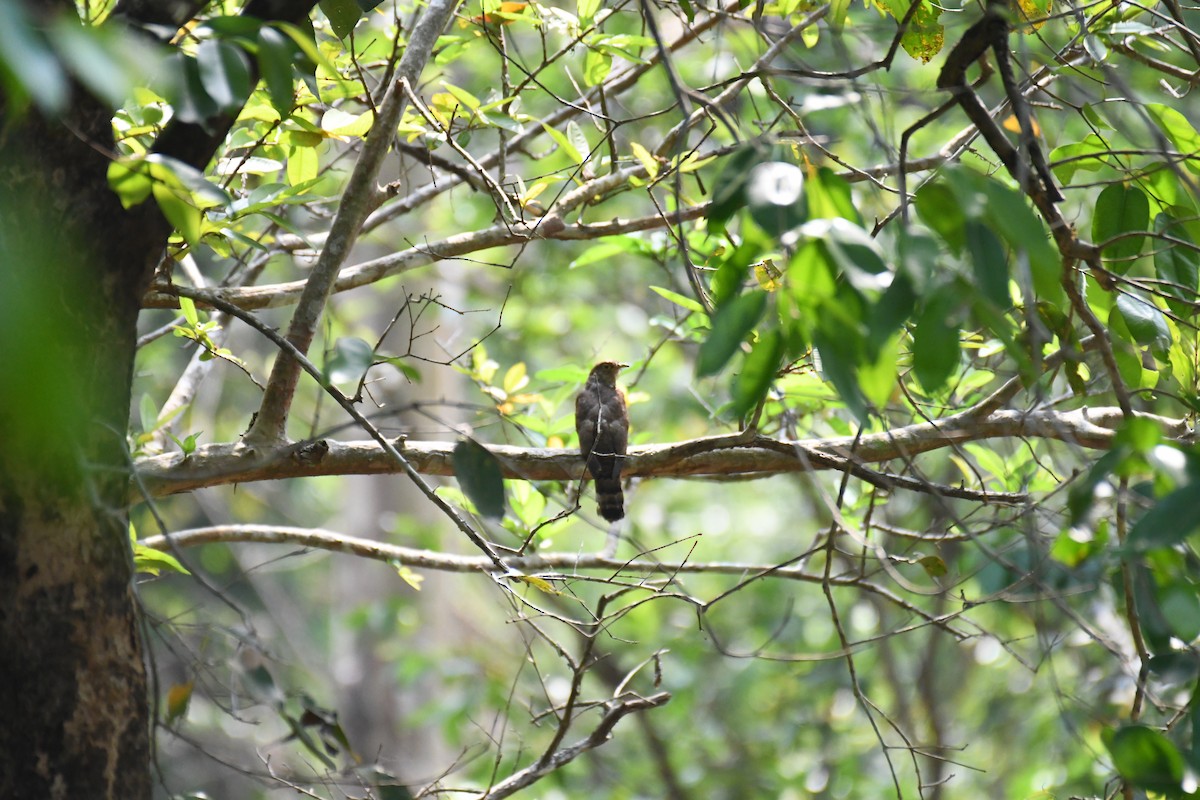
{"x": 221, "y": 464}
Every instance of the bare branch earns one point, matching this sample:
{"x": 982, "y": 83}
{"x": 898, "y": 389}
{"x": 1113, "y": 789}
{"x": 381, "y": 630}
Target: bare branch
{"x": 359, "y": 198}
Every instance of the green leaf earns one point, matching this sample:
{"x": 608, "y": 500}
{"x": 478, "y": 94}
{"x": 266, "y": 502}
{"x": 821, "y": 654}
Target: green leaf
{"x": 1181, "y": 609}
{"x": 182, "y": 215}
{"x": 351, "y": 359}
{"x": 153, "y": 562}
{"x": 678, "y": 299}
{"x": 28, "y": 67}
{"x": 343, "y": 15}
{"x": 463, "y": 96}
{"x": 889, "y": 312}
{"x": 302, "y": 164}
{"x": 1091, "y": 154}
{"x": 1121, "y": 209}
{"x": 1008, "y": 213}
{"x": 1169, "y": 522}
{"x": 1145, "y": 758}
{"x": 578, "y": 141}
{"x": 187, "y": 181}
{"x": 731, "y": 273}
{"x": 480, "y": 476}
{"x": 812, "y": 275}
{"x": 612, "y": 246}
{"x": 406, "y": 369}
{"x": 188, "y": 444}
{"x": 1140, "y": 434}
{"x": 596, "y": 66}
{"x": 729, "y": 196}
{"x": 1176, "y": 127}
{"x": 855, "y": 256}
{"x": 565, "y": 143}
{"x": 827, "y": 195}
{"x": 147, "y": 413}
{"x": 188, "y": 308}
{"x": 224, "y": 73}
{"x": 189, "y": 99}
{"x": 840, "y": 352}
{"x": 1146, "y": 323}
{"x": 936, "y": 348}
{"x": 130, "y": 179}
{"x": 586, "y": 10}
{"x": 1177, "y": 265}
{"x": 233, "y": 26}
{"x": 759, "y": 370}
{"x": 988, "y": 264}
{"x": 940, "y": 209}
{"x": 103, "y": 58}
{"x": 730, "y": 326}
{"x": 774, "y": 190}
{"x": 877, "y": 375}
{"x": 275, "y": 51}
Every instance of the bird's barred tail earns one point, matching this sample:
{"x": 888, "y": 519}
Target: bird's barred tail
{"x": 610, "y": 500}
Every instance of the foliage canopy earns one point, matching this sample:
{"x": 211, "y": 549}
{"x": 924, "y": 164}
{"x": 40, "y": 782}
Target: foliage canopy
{"x": 910, "y": 291}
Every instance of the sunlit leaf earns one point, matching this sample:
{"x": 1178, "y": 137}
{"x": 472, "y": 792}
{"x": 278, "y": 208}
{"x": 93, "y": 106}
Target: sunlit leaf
{"x": 541, "y": 584}
{"x": 1176, "y": 127}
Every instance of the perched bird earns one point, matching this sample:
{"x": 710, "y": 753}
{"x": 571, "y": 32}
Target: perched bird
{"x": 603, "y": 427}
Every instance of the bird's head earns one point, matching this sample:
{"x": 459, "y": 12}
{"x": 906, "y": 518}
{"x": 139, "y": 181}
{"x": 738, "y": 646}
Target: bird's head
{"x": 606, "y": 372}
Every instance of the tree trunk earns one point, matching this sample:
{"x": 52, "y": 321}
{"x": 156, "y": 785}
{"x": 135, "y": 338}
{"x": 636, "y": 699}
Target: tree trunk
{"x": 73, "y": 264}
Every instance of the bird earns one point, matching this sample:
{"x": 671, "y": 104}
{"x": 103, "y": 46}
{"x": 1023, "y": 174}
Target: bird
{"x": 603, "y": 427}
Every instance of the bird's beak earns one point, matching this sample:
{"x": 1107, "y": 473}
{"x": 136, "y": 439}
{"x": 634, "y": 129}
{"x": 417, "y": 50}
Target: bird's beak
{"x": 622, "y": 365}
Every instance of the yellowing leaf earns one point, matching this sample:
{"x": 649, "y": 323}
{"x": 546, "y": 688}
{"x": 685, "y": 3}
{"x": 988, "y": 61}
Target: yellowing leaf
{"x": 515, "y": 379}
{"x": 408, "y": 576}
{"x": 1012, "y": 125}
{"x": 178, "y": 698}
{"x": 767, "y": 274}
{"x": 501, "y": 16}
{"x": 934, "y": 566}
{"x": 538, "y": 583}
{"x": 646, "y": 158}
{"x": 1034, "y": 14}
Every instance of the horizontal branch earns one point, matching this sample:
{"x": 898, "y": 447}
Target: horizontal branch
{"x": 548, "y": 566}
{"x": 420, "y": 255}
{"x": 734, "y": 455}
